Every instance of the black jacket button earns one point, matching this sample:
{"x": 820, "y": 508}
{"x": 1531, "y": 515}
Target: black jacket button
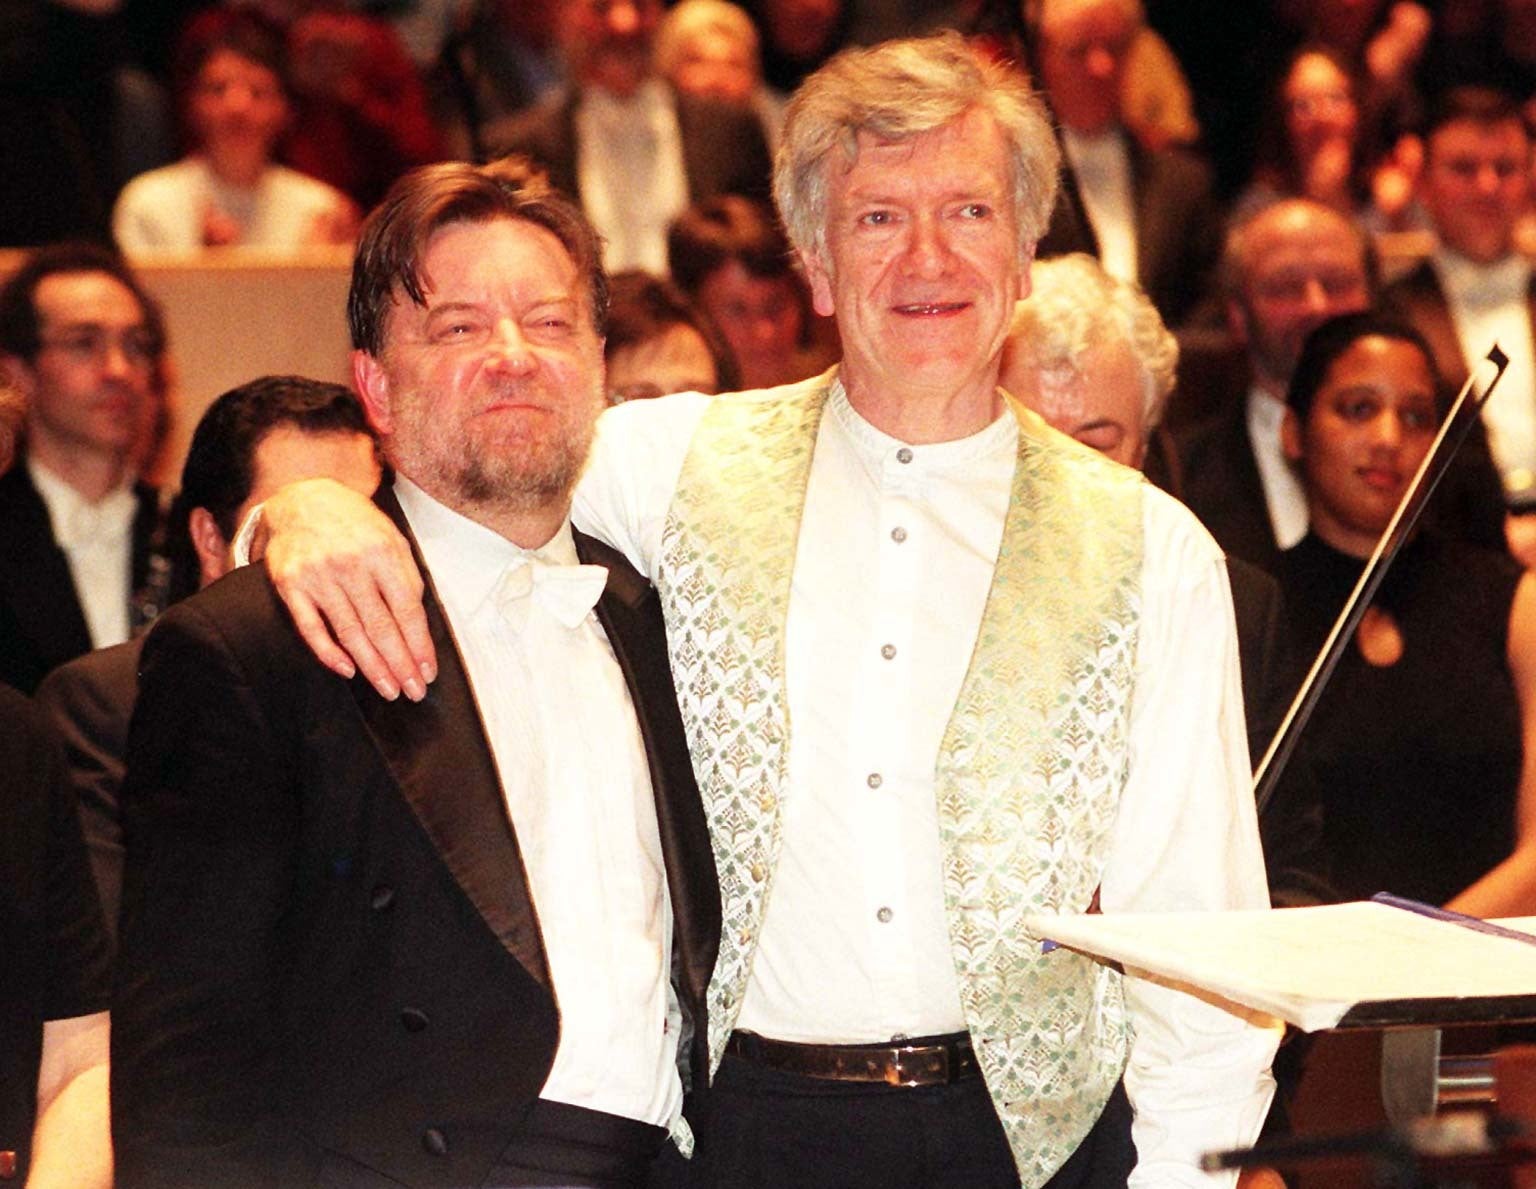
{"x": 434, "y": 1141}
{"x": 413, "y": 1020}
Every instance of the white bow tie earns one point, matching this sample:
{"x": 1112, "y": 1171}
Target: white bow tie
{"x": 567, "y": 593}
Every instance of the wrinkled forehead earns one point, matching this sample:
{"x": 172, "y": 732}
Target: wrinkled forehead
{"x": 1303, "y": 242}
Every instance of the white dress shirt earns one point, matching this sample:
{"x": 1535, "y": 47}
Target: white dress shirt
{"x": 1491, "y": 303}
{"x": 573, "y": 769}
{"x": 1102, "y": 166}
{"x": 629, "y": 166}
{"x": 97, "y": 540}
{"x": 1284, "y": 495}
{"x": 894, "y": 564}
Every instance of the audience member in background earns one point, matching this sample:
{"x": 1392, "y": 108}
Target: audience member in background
{"x": 1148, "y": 215}
{"x": 1288, "y": 268}
{"x": 798, "y": 37}
{"x": 53, "y": 996}
{"x": 504, "y": 58}
{"x": 81, "y": 340}
{"x": 249, "y": 442}
{"x": 710, "y": 48}
{"x": 1311, "y": 147}
{"x": 659, "y": 343}
{"x": 1090, "y": 354}
{"x": 360, "y": 111}
{"x": 634, "y": 151}
{"x": 232, "y": 86}
{"x": 1477, "y": 288}
{"x": 731, "y": 257}
{"x": 1425, "y": 741}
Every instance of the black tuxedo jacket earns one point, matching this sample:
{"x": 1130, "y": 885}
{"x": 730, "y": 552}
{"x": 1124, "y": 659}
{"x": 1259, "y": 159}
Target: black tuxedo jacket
{"x": 724, "y": 151}
{"x": 89, "y": 701}
{"x": 1178, "y": 226}
{"x": 41, "y": 622}
{"x": 1418, "y": 298}
{"x": 331, "y": 970}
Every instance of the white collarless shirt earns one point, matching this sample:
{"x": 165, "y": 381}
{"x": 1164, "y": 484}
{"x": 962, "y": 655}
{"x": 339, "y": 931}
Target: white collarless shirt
{"x": 894, "y": 564}
{"x": 567, "y": 748}
{"x": 1491, "y": 303}
{"x": 1284, "y": 495}
{"x": 97, "y": 540}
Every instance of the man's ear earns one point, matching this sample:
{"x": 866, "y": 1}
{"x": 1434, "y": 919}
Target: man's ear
{"x": 1290, "y": 438}
{"x": 211, "y": 547}
{"x": 372, "y": 384}
{"x": 820, "y": 278}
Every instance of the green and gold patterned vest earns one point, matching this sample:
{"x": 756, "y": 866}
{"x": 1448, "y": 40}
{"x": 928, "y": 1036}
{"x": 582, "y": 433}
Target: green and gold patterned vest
{"x": 1029, "y": 774}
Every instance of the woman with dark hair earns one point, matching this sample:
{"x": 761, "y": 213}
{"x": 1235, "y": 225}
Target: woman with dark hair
{"x": 231, "y": 83}
{"x": 658, "y": 342}
{"x": 1425, "y": 739}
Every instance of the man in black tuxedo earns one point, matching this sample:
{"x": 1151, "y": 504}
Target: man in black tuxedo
{"x": 1147, "y": 213}
{"x": 370, "y": 941}
{"x": 247, "y": 444}
{"x": 82, "y": 342}
{"x": 630, "y": 148}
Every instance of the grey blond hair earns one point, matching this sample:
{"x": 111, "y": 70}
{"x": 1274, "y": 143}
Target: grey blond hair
{"x": 1075, "y": 306}
{"x": 897, "y": 90}
{"x": 692, "y": 17}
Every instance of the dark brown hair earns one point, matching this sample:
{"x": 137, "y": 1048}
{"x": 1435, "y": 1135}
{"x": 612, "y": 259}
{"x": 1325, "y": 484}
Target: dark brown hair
{"x": 394, "y": 237}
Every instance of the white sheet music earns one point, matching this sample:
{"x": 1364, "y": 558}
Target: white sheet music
{"x": 1307, "y": 966}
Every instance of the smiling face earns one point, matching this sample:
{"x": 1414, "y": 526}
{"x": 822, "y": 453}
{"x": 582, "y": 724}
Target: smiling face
{"x": 1369, "y": 427}
{"x": 1477, "y": 184}
{"x": 486, "y": 395}
{"x": 922, "y": 263}
{"x": 1319, "y": 106}
{"x": 237, "y": 106}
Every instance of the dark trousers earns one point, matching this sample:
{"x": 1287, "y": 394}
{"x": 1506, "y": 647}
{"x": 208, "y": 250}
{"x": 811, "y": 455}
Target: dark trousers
{"x": 764, "y": 1129}
{"x": 570, "y": 1147}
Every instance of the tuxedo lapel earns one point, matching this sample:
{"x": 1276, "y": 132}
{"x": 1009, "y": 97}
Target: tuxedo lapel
{"x": 36, "y": 574}
{"x": 438, "y": 753}
{"x": 631, "y": 618}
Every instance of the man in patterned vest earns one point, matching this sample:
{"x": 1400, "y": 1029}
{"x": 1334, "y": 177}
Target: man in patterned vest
{"x": 939, "y": 666}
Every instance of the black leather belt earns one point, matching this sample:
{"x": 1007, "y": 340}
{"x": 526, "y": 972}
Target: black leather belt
{"x": 932, "y": 1062}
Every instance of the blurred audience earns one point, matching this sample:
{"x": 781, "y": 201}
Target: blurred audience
{"x": 250, "y": 441}
{"x": 80, "y": 339}
{"x": 1476, "y": 288}
{"x": 1148, "y": 215}
{"x": 732, "y": 258}
{"x": 360, "y": 111}
{"x": 634, "y": 151}
{"x": 659, "y": 343}
{"x": 711, "y": 48}
{"x": 1419, "y": 737}
{"x": 233, "y": 90}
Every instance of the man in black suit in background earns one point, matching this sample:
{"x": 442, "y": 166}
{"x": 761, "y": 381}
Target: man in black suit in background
{"x": 632, "y": 150}
{"x": 81, "y": 340}
{"x": 248, "y": 443}
{"x": 370, "y": 941}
